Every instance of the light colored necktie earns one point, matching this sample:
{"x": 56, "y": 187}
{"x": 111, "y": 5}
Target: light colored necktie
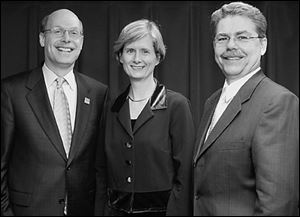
{"x": 220, "y": 108}
{"x": 62, "y": 114}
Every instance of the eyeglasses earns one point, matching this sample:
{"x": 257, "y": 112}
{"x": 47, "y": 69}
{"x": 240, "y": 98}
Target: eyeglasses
{"x": 60, "y": 32}
{"x": 240, "y": 39}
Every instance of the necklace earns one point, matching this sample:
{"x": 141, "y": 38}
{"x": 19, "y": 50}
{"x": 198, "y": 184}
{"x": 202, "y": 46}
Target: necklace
{"x": 138, "y": 100}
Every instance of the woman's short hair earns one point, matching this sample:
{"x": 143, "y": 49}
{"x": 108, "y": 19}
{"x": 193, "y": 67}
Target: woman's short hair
{"x": 137, "y": 30}
{"x": 240, "y": 9}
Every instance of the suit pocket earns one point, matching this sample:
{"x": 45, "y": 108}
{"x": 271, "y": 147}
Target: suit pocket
{"x": 233, "y": 146}
{"x": 20, "y": 198}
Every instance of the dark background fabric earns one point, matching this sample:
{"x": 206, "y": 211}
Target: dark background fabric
{"x": 189, "y": 67}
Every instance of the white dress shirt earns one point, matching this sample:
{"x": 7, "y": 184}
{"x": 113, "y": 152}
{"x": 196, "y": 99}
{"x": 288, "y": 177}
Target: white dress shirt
{"x": 228, "y": 92}
{"x": 70, "y": 89}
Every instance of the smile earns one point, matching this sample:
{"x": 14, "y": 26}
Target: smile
{"x": 232, "y": 58}
{"x": 65, "y": 49}
{"x": 137, "y": 67}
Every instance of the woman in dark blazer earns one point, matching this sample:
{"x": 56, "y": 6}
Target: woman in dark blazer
{"x": 149, "y": 133}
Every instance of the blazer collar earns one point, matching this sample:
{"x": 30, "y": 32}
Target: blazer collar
{"x": 38, "y": 99}
{"x": 158, "y": 99}
{"x": 83, "y": 113}
{"x": 39, "y": 102}
{"x": 121, "y": 107}
{"x": 229, "y": 114}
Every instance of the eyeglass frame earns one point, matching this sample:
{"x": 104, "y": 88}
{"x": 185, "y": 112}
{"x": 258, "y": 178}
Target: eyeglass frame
{"x": 236, "y": 39}
{"x": 63, "y": 32}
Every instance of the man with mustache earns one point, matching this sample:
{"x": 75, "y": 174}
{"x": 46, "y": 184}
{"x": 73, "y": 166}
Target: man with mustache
{"x": 246, "y": 159}
{"x": 50, "y": 129}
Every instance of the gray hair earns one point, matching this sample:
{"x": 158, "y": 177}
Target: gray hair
{"x": 240, "y": 9}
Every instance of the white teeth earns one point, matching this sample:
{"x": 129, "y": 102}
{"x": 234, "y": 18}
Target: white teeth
{"x": 64, "y": 49}
{"x": 137, "y": 67}
{"x": 233, "y": 58}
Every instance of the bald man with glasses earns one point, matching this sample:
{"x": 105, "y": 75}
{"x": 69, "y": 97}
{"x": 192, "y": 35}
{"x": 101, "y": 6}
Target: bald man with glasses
{"x": 51, "y": 133}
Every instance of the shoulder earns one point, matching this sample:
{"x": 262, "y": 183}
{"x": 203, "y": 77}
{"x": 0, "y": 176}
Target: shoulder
{"x": 16, "y": 83}
{"x": 270, "y": 93}
{"x": 176, "y": 98}
{"x": 91, "y": 82}
{"x": 271, "y": 88}
{"x": 16, "y": 78}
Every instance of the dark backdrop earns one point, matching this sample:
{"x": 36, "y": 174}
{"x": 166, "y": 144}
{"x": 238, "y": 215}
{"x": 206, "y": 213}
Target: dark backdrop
{"x": 189, "y": 66}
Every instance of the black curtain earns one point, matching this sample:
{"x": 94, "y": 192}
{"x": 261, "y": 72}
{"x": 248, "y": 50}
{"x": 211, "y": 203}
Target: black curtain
{"x": 189, "y": 67}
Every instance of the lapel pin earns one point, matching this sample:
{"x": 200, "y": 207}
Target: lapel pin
{"x": 87, "y": 100}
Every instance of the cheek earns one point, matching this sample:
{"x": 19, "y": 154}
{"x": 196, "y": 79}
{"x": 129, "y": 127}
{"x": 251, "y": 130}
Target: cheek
{"x": 124, "y": 59}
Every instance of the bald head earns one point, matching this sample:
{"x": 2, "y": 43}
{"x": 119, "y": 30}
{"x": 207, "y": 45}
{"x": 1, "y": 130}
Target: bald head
{"x": 65, "y": 16}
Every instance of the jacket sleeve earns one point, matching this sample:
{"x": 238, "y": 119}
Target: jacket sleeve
{"x": 276, "y": 157}
{"x": 182, "y": 134}
{"x": 7, "y": 133}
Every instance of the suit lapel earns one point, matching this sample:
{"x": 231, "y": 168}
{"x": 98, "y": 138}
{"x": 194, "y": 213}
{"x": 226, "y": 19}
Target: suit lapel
{"x": 83, "y": 110}
{"x": 233, "y": 109}
{"x": 229, "y": 114}
{"x": 124, "y": 118}
{"x": 39, "y": 101}
{"x": 145, "y": 115}
{"x": 207, "y": 116}
{"x": 158, "y": 101}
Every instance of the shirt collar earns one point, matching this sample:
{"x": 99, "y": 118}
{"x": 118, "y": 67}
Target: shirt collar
{"x": 50, "y": 77}
{"x": 232, "y": 89}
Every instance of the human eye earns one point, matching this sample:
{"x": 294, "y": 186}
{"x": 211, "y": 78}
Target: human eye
{"x": 242, "y": 38}
{"x": 74, "y": 32}
{"x": 58, "y": 31}
{"x": 222, "y": 38}
{"x": 145, "y": 51}
{"x": 129, "y": 50}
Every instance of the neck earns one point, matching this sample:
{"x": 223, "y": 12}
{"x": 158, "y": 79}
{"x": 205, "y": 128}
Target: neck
{"x": 60, "y": 71}
{"x": 140, "y": 90}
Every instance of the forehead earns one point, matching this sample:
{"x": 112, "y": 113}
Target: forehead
{"x": 233, "y": 24}
{"x": 63, "y": 19}
{"x": 145, "y": 42}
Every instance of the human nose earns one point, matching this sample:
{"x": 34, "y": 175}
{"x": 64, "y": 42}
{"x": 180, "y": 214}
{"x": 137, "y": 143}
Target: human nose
{"x": 137, "y": 57}
{"x": 232, "y": 42}
{"x": 66, "y": 36}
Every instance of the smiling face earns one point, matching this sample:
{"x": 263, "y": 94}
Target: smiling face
{"x": 237, "y": 59}
{"x": 139, "y": 59}
{"x": 61, "y": 52}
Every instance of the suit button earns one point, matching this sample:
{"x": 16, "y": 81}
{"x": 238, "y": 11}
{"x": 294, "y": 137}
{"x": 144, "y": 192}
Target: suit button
{"x": 68, "y": 168}
{"x": 128, "y": 145}
{"x": 128, "y": 162}
{"x": 61, "y": 201}
{"x": 197, "y": 197}
{"x": 129, "y": 179}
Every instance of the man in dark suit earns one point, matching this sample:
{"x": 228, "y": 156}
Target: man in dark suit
{"x": 246, "y": 159}
{"x": 51, "y": 132}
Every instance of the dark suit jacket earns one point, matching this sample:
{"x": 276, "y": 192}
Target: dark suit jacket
{"x": 35, "y": 172}
{"x": 249, "y": 164}
{"x": 159, "y": 148}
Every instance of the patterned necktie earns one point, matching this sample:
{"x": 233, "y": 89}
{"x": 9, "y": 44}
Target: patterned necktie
{"x": 62, "y": 114}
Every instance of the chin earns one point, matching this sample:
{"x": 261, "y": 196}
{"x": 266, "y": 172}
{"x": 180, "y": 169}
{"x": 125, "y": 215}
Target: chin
{"x": 233, "y": 70}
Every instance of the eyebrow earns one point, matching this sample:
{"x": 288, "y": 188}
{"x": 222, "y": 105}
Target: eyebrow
{"x": 142, "y": 48}
{"x": 236, "y": 33}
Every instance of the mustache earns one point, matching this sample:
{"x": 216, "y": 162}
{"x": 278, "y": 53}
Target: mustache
{"x": 233, "y": 53}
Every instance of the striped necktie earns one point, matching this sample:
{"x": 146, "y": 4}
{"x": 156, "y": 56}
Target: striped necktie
{"x": 62, "y": 114}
